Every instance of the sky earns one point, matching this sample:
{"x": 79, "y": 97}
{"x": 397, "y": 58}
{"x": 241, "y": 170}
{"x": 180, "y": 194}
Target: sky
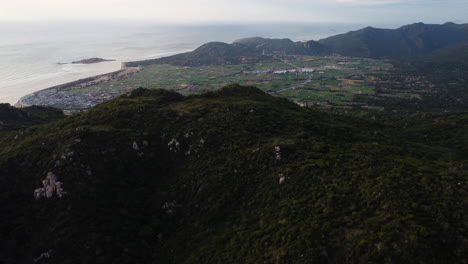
{"x": 238, "y": 11}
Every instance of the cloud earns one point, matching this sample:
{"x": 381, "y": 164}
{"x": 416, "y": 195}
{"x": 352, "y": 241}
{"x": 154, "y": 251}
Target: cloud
{"x": 344, "y": 2}
{"x": 371, "y": 2}
{"x": 186, "y": 11}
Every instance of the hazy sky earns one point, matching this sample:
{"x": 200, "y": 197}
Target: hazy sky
{"x": 233, "y": 11}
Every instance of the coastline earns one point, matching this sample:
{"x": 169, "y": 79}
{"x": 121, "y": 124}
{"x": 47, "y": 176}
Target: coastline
{"x": 144, "y": 42}
{"x": 69, "y": 85}
{"x": 126, "y": 68}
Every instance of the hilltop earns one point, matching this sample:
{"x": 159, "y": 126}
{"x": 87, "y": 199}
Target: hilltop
{"x": 250, "y": 50}
{"x": 406, "y": 41}
{"x": 12, "y": 118}
{"x": 232, "y": 176}
{"x": 213, "y": 53}
{"x": 284, "y": 46}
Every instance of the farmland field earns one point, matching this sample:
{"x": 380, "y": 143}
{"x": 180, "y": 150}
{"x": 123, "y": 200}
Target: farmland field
{"x": 307, "y": 80}
{"x": 324, "y": 82}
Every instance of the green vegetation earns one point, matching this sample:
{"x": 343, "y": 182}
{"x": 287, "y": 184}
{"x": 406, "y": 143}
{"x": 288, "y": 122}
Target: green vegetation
{"x": 201, "y": 172}
{"x": 12, "y": 118}
{"x": 235, "y": 176}
{"x": 327, "y": 81}
{"x": 435, "y": 82}
{"x": 249, "y": 50}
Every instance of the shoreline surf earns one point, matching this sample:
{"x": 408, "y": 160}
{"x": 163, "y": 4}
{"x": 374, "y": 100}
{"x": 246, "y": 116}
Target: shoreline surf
{"x": 73, "y": 83}
{"x": 18, "y": 90}
{"x": 20, "y": 103}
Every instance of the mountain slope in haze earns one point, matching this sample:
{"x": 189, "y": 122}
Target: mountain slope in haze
{"x": 250, "y": 50}
{"x": 213, "y": 53}
{"x": 409, "y": 40}
{"x": 233, "y": 176}
{"x": 452, "y": 58}
{"x": 284, "y": 46}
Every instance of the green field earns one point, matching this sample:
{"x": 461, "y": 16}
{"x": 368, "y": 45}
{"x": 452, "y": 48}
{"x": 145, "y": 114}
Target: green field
{"x": 307, "y": 80}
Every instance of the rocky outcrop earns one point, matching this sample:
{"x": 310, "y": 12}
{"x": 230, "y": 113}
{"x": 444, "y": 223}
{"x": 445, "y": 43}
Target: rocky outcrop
{"x": 51, "y": 186}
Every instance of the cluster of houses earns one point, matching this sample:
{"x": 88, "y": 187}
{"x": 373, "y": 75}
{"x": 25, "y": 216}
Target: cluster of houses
{"x": 67, "y": 99}
{"x": 300, "y": 70}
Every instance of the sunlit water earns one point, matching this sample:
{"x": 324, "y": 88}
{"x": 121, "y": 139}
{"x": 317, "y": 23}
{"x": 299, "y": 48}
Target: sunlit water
{"x": 29, "y": 52}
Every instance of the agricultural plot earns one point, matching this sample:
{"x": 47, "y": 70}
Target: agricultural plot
{"x": 307, "y": 80}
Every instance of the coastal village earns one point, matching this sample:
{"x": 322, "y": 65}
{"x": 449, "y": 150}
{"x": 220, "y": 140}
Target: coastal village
{"x": 80, "y": 94}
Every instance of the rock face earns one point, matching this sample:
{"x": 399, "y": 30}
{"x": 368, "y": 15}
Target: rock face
{"x": 90, "y": 61}
{"x": 282, "y": 179}
{"x": 51, "y": 186}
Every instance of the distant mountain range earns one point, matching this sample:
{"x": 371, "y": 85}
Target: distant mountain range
{"x": 407, "y": 41}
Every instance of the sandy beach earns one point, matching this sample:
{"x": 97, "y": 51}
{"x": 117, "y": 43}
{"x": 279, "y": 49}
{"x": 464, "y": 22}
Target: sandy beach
{"x": 48, "y": 96}
{"x": 73, "y": 72}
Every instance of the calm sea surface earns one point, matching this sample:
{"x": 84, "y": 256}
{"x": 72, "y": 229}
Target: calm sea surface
{"x": 29, "y": 52}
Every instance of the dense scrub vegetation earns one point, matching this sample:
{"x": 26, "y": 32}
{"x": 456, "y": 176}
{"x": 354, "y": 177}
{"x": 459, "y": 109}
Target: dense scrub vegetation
{"x": 12, "y": 118}
{"x": 234, "y": 176}
{"x": 444, "y": 90}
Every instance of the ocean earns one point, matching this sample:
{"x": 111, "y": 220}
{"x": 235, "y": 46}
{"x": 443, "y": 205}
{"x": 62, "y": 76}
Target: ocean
{"x": 30, "y": 52}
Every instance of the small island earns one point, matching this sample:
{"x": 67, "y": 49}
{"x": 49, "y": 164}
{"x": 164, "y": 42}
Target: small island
{"x": 90, "y": 61}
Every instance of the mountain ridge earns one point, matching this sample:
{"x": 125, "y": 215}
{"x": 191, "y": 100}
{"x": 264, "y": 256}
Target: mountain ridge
{"x": 234, "y": 176}
{"x": 409, "y": 40}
